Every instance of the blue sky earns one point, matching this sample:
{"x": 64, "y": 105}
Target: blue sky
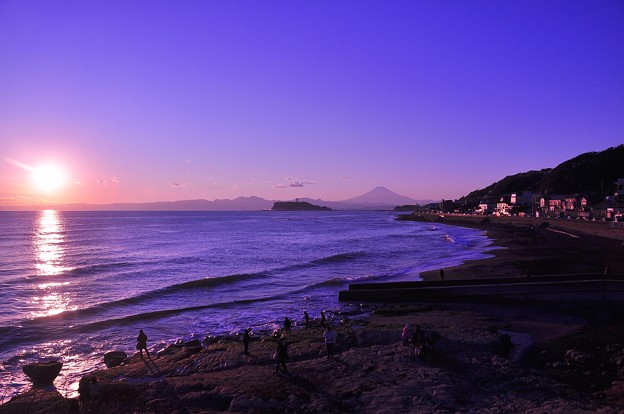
{"x": 163, "y": 100}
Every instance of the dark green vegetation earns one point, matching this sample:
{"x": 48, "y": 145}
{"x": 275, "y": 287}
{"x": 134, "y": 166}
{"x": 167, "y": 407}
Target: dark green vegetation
{"x": 297, "y": 206}
{"x": 592, "y": 174}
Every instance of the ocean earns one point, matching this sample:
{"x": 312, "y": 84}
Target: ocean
{"x": 75, "y": 285}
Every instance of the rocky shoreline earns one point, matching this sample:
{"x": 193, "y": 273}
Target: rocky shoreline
{"x": 574, "y": 363}
{"x": 567, "y": 358}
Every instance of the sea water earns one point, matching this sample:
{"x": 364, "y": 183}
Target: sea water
{"x": 74, "y": 285}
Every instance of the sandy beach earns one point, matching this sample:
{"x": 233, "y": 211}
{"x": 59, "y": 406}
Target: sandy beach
{"x": 522, "y": 246}
{"x": 565, "y": 359}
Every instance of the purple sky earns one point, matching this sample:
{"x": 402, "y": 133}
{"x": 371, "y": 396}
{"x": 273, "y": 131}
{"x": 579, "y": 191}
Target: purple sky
{"x": 170, "y": 100}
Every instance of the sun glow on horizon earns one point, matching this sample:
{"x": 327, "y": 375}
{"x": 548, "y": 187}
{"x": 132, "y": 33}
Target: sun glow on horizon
{"x": 48, "y": 178}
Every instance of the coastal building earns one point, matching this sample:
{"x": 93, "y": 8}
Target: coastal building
{"x": 503, "y": 206}
{"x": 619, "y": 192}
{"x": 612, "y": 208}
{"x": 555, "y": 205}
{"x": 521, "y": 198}
{"x": 527, "y": 203}
{"x": 447, "y": 206}
{"x": 485, "y": 207}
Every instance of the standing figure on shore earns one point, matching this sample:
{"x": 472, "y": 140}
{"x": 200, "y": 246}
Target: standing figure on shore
{"x": 142, "y": 344}
{"x": 307, "y": 318}
{"x": 287, "y": 324}
{"x": 322, "y": 319}
{"x": 246, "y": 338}
{"x": 282, "y": 354}
{"x": 330, "y": 340}
{"x": 416, "y": 342}
{"x": 441, "y": 274}
{"x": 406, "y": 335}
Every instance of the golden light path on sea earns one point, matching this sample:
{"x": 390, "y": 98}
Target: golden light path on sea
{"x": 48, "y": 240}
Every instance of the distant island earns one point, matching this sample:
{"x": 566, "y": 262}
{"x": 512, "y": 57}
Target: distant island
{"x": 297, "y": 206}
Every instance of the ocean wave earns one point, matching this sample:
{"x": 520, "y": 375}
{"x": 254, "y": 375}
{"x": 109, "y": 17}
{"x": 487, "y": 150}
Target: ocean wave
{"x": 324, "y": 261}
{"x": 115, "y": 267}
{"x": 201, "y": 284}
{"x": 337, "y": 258}
{"x": 58, "y": 326}
{"x": 73, "y": 316}
{"x": 86, "y": 270}
{"x": 184, "y": 260}
{"x": 77, "y": 316}
{"x": 343, "y": 281}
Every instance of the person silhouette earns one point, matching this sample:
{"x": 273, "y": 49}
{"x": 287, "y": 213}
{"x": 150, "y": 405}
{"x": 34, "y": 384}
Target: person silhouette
{"x": 407, "y": 333}
{"x": 281, "y": 354}
{"x": 142, "y": 344}
{"x": 330, "y": 340}
{"x": 307, "y": 318}
{"x": 287, "y": 324}
{"x": 246, "y": 338}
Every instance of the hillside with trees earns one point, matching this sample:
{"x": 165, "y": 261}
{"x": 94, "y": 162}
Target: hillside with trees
{"x": 592, "y": 174}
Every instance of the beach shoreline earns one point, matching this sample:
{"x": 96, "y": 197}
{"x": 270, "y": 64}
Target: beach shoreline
{"x": 572, "y": 362}
{"x": 528, "y": 246}
{"x": 372, "y": 371}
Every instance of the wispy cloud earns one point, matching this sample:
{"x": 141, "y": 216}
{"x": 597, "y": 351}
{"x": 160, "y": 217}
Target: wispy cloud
{"x": 294, "y": 183}
{"x": 112, "y": 180}
{"x": 19, "y": 164}
{"x": 185, "y": 184}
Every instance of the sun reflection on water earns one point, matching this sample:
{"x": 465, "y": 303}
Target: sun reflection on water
{"x": 50, "y": 298}
{"x": 48, "y": 242}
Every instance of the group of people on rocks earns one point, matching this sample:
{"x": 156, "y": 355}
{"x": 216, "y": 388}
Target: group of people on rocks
{"x": 419, "y": 344}
{"x": 281, "y": 354}
{"x": 415, "y": 338}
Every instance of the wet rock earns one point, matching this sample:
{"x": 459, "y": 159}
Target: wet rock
{"x": 251, "y": 404}
{"x": 518, "y": 344}
{"x": 444, "y": 396}
{"x": 43, "y": 373}
{"x": 186, "y": 344}
{"x": 120, "y": 391}
{"x": 114, "y": 358}
{"x": 211, "y": 340}
{"x": 368, "y": 337}
{"x": 576, "y": 356}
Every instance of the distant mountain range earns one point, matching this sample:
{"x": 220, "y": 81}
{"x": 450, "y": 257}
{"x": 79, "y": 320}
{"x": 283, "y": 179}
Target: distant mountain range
{"x": 380, "y": 198}
{"x": 592, "y": 174}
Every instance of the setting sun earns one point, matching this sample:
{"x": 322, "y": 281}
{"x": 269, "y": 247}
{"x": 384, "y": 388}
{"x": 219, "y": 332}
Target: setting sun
{"x": 48, "y": 178}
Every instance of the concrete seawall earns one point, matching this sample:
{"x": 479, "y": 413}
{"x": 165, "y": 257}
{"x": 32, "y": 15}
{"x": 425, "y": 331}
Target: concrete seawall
{"x": 581, "y": 287}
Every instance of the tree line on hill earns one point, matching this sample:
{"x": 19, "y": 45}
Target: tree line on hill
{"x": 592, "y": 176}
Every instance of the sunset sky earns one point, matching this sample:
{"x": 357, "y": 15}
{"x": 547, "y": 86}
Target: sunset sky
{"x": 131, "y": 101}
